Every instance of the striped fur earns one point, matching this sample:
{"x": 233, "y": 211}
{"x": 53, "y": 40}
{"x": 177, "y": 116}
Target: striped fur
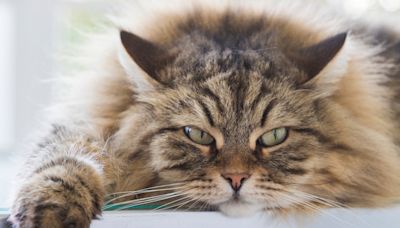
{"x": 122, "y": 129}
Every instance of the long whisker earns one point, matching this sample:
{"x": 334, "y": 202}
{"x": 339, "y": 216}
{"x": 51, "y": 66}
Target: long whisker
{"x": 191, "y": 206}
{"x": 179, "y": 203}
{"x": 327, "y": 202}
{"x": 204, "y": 206}
{"x": 294, "y": 199}
{"x": 153, "y": 187}
{"x": 194, "y": 200}
{"x": 132, "y": 193}
{"x": 162, "y": 207}
{"x": 331, "y": 203}
{"x": 146, "y": 200}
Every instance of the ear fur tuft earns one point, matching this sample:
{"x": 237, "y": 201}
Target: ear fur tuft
{"x": 312, "y": 60}
{"x": 142, "y": 60}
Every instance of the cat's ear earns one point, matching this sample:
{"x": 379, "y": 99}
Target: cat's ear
{"x": 322, "y": 61}
{"x": 142, "y": 60}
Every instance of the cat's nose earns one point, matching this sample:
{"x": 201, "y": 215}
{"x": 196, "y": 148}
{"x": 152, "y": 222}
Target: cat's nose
{"x": 235, "y": 179}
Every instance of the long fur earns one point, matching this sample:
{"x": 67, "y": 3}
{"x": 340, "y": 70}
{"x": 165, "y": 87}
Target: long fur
{"x": 104, "y": 107}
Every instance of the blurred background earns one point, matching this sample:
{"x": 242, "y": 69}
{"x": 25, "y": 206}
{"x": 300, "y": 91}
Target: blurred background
{"x": 32, "y": 33}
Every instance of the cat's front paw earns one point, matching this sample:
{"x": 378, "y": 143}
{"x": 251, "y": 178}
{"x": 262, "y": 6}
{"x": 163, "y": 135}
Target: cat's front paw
{"x": 48, "y": 214}
{"x": 55, "y": 201}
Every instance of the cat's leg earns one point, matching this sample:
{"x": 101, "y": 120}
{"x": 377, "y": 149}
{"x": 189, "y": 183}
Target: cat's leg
{"x": 62, "y": 183}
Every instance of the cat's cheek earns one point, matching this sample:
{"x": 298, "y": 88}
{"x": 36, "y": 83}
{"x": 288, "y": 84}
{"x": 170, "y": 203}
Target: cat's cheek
{"x": 239, "y": 209}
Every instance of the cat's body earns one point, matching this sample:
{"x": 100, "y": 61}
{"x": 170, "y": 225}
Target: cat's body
{"x": 235, "y": 74}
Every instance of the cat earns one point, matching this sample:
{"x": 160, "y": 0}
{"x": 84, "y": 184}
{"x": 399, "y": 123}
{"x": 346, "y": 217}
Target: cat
{"x": 233, "y": 107}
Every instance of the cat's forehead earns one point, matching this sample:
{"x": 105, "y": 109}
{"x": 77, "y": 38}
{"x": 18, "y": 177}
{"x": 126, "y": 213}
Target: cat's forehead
{"x": 240, "y": 65}
{"x": 237, "y": 103}
{"x": 199, "y": 57}
{"x": 234, "y": 91}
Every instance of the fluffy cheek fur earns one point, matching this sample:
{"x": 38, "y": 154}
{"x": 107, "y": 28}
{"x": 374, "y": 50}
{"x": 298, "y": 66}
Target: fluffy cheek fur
{"x": 174, "y": 158}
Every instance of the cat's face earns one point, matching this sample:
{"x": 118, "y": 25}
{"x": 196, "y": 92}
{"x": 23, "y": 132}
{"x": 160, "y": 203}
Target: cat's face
{"x": 243, "y": 131}
{"x": 242, "y": 139}
{"x": 243, "y": 142}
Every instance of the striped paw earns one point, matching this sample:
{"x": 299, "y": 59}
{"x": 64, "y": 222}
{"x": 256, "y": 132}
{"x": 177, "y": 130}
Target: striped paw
{"x": 57, "y": 197}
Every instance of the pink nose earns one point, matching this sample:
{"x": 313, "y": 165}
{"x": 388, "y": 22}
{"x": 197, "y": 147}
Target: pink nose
{"x": 235, "y": 179}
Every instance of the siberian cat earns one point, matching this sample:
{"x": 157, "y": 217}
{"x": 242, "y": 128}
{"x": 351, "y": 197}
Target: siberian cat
{"x": 240, "y": 108}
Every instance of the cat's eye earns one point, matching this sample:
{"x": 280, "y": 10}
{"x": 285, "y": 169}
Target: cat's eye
{"x": 198, "y": 136}
{"x": 273, "y": 137}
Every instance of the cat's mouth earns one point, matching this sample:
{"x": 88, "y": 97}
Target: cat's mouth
{"x": 236, "y": 206}
{"x": 236, "y": 197}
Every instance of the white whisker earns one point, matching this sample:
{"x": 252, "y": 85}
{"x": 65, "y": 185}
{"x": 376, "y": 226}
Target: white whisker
{"x": 193, "y": 205}
{"x": 177, "y": 206}
{"x": 149, "y": 188}
{"x": 331, "y": 203}
{"x": 295, "y": 199}
{"x": 146, "y": 200}
{"x": 132, "y": 193}
{"x": 327, "y": 202}
{"x": 192, "y": 200}
{"x": 162, "y": 207}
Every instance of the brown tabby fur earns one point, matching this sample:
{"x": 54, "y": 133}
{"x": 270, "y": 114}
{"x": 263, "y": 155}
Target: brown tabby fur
{"x": 229, "y": 66}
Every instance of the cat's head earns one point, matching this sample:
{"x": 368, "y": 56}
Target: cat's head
{"x": 248, "y": 129}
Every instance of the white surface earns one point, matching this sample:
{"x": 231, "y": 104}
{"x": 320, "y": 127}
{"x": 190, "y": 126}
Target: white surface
{"x": 388, "y": 218}
{"x": 385, "y": 218}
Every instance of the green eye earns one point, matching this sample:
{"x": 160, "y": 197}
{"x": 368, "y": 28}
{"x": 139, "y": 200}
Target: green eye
{"x": 274, "y": 137}
{"x": 198, "y": 136}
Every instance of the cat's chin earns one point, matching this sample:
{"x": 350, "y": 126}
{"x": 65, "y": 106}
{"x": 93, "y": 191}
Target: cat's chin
{"x": 239, "y": 209}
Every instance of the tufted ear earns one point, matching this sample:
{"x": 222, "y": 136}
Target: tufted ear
{"x": 142, "y": 60}
{"x": 314, "y": 59}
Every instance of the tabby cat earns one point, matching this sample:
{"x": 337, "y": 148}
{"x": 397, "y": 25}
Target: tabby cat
{"x": 235, "y": 107}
